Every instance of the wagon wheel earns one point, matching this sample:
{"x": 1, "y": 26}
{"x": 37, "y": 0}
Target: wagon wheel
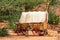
{"x": 19, "y": 30}
{"x": 26, "y": 28}
{"x": 41, "y": 29}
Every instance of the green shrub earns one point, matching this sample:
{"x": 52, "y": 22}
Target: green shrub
{"x": 12, "y": 26}
{"x": 3, "y": 32}
{"x": 53, "y": 18}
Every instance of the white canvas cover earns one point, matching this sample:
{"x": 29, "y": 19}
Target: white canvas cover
{"x": 33, "y": 17}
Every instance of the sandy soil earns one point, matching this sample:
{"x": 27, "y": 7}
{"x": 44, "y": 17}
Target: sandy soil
{"x": 29, "y": 38}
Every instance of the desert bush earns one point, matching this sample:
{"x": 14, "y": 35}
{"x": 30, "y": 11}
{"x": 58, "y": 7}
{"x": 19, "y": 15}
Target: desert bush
{"x": 53, "y": 18}
{"x": 3, "y": 32}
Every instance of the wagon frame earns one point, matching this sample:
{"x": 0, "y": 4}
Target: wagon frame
{"x": 43, "y": 30}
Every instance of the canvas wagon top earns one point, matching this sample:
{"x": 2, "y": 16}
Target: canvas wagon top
{"x": 33, "y": 17}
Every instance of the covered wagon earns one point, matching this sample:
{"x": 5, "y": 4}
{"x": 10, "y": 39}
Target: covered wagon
{"x": 34, "y": 21}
